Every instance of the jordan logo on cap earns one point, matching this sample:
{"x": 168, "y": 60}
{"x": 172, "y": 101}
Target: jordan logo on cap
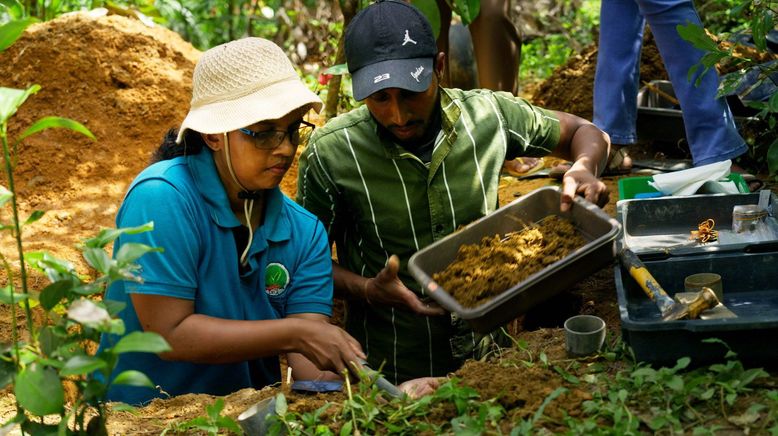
{"x": 407, "y": 38}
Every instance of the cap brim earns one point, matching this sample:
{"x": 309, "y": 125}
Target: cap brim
{"x": 269, "y": 103}
{"x": 409, "y": 74}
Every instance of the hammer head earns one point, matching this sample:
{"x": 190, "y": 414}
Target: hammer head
{"x": 705, "y": 299}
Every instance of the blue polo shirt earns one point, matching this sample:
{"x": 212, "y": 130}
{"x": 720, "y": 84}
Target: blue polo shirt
{"x": 289, "y": 271}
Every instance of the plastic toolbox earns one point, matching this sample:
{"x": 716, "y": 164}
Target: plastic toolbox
{"x": 597, "y": 228}
{"x": 635, "y": 187}
{"x": 663, "y": 225}
{"x": 750, "y": 284}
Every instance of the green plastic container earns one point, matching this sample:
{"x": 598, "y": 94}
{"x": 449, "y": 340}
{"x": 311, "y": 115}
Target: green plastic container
{"x": 630, "y": 187}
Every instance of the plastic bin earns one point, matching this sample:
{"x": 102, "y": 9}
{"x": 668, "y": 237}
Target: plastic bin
{"x": 597, "y": 228}
{"x": 750, "y": 286}
{"x": 662, "y": 226}
{"x": 632, "y": 187}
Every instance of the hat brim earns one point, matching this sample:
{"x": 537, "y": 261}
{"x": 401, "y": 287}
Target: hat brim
{"x": 409, "y": 74}
{"x": 269, "y": 103}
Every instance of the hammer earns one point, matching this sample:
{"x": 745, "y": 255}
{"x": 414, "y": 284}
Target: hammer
{"x": 671, "y": 309}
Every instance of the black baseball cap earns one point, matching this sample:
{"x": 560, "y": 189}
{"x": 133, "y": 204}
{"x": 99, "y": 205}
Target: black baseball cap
{"x": 389, "y": 44}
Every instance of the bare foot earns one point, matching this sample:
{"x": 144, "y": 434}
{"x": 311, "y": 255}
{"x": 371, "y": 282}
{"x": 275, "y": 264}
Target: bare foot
{"x": 523, "y": 166}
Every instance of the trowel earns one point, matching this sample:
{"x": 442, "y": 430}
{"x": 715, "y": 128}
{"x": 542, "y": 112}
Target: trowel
{"x": 381, "y": 382}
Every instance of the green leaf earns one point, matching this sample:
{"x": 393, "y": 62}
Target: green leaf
{"x": 8, "y": 296}
{"x": 430, "y": 10}
{"x": 11, "y": 31}
{"x": 5, "y": 195}
{"x": 281, "y": 405}
{"x": 10, "y": 98}
{"x": 337, "y": 69}
{"x": 142, "y": 342}
{"x": 676, "y": 383}
{"x": 347, "y": 428}
{"x": 14, "y": 9}
{"x": 227, "y": 423}
{"x": 88, "y": 313}
{"x": 114, "y": 307}
{"x": 7, "y": 372}
{"x": 55, "y": 269}
{"x": 214, "y": 410}
{"x": 55, "y": 122}
{"x": 98, "y": 259}
{"x": 133, "y": 378}
{"x": 49, "y": 341}
{"x": 466, "y": 9}
{"x": 697, "y": 36}
{"x": 39, "y": 390}
{"x": 82, "y": 365}
{"x": 54, "y": 293}
{"x": 35, "y": 216}
{"x": 131, "y": 251}
{"x": 760, "y": 25}
{"x": 107, "y": 236}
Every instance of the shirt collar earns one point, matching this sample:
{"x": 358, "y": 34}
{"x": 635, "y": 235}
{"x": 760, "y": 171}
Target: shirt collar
{"x": 275, "y": 226}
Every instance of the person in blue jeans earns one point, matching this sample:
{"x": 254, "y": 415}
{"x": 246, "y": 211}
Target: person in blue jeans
{"x": 710, "y": 127}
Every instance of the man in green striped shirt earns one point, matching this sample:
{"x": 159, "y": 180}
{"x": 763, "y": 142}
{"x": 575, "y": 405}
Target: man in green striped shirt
{"x": 409, "y": 167}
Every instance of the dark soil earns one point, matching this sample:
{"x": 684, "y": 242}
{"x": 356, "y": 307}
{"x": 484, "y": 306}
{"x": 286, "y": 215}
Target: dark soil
{"x": 482, "y": 271}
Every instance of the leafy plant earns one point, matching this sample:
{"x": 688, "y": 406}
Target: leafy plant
{"x": 743, "y": 51}
{"x": 57, "y": 352}
{"x": 212, "y": 423}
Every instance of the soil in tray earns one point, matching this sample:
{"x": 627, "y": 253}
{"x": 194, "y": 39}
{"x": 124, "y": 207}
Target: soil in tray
{"x": 482, "y": 271}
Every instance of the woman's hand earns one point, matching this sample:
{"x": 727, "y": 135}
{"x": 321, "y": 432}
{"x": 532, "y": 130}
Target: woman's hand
{"x": 327, "y": 346}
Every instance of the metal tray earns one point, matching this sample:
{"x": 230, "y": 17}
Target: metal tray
{"x": 750, "y": 286}
{"x": 661, "y": 226}
{"x": 597, "y": 228}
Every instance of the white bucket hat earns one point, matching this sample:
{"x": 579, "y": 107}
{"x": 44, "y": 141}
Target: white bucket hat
{"x": 241, "y": 83}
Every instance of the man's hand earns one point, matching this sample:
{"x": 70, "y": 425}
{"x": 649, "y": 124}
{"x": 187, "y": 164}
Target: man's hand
{"x": 386, "y": 288}
{"x": 420, "y": 387}
{"x": 579, "y": 180}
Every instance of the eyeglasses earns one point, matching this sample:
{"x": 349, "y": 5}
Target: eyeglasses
{"x": 298, "y": 132}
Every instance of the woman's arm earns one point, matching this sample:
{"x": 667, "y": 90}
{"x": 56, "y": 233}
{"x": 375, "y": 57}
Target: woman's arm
{"x": 206, "y": 339}
{"x": 302, "y": 368}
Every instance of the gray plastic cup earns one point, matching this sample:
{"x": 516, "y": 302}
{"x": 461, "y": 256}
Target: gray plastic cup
{"x": 253, "y": 420}
{"x": 695, "y": 283}
{"x": 584, "y": 335}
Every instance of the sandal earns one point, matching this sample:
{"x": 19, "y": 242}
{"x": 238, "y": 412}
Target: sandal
{"x": 514, "y": 167}
{"x": 753, "y": 182}
{"x": 619, "y": 162}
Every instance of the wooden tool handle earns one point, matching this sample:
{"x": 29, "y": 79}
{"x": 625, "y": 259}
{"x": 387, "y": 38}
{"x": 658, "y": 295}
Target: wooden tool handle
{"x": 647, "y": 282}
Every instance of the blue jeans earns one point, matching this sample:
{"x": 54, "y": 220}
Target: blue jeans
{"x": 710, "y": 127}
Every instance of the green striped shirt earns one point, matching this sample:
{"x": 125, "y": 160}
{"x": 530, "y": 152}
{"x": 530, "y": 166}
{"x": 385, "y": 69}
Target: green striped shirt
{"x": 377, "y": 199}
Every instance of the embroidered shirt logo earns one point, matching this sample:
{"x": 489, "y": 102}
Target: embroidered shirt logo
{"x": 276, "y": 279}
{"x": 408, "y": 38}
{"x": 381, "y": 78}
{"x": 417, "y": 73}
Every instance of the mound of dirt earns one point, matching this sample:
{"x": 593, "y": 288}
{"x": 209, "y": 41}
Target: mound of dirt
{"x": 127, "y": 82}
{"x": 571, "y": 86}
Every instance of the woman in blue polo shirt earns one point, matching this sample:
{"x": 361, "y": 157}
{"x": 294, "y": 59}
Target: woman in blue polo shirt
{"x": 246, "y": 273}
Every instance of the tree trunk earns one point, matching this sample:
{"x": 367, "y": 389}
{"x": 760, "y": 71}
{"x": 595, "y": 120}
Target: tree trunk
{"x": 348, "y": 8}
